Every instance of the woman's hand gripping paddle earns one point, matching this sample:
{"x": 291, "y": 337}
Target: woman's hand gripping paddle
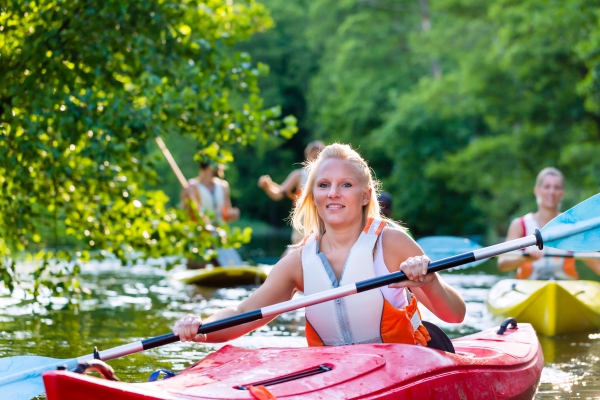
{"x": 578, "y": 229}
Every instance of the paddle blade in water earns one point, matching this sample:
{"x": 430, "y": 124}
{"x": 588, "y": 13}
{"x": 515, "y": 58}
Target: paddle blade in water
{"x": 21, "y": 376}
{"x": 577, "y": 229}
{"x": 438, "y": 247}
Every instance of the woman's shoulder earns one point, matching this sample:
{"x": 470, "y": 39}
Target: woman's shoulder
{"x": 398, "y": 241}
{"x": 397, "y": 247}
{"x": 516, "y": 229}
{"x": 289, "y": 266}
{"x": 396, "y": 232}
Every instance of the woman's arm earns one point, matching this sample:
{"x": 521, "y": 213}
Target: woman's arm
{"x": 277, "y": 192}
{"x": 510, "y": 263}
{"x": 593, "y": 263}
{"x": 230, "y": 213}
{"x": 280, "y": 286}
{"x": 402, "y": 251}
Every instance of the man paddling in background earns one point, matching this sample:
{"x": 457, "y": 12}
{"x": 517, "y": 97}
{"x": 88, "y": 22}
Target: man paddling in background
{"x": 210, "y": 194}
{"x": 293, "y": 184}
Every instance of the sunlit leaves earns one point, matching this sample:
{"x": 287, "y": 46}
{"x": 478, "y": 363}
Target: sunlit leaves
{"x": 86, "y": 87}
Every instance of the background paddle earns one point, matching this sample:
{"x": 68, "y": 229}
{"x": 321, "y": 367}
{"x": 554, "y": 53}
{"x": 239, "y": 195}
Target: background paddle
{"x": 225, "y": 257}
{"x": 171, "y": 162}
{"x": 21, "y": 375}
{"x": 438, "y": 247}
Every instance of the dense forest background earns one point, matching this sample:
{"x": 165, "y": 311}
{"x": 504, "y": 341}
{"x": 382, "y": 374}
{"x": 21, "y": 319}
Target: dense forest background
{"x": 457, "y": 104}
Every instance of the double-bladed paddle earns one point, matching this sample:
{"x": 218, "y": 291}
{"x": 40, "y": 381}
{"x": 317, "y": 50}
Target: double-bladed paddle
{"x": 578, "y": 229}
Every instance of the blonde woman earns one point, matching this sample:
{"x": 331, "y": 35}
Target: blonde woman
{"x": 549, "y": 191}
{"x": 345, "y": 240}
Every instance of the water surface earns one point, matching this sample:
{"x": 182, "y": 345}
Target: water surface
{"x": 137, "y": 302}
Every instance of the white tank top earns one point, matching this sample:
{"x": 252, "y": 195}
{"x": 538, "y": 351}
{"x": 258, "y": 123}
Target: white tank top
{"x": 396, "y": 297}
{"x": 211, "y": 202}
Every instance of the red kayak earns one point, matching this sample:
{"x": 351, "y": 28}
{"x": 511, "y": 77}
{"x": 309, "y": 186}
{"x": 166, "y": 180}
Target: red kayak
{"x": 486, "y": 365}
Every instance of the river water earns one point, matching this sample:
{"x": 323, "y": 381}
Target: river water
{"x": 141, "y": 301}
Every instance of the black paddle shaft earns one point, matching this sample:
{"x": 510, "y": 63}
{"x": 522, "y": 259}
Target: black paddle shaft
{"x": 434, "y": 266}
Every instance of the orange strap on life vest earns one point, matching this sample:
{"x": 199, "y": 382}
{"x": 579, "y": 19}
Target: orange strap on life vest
{"x": 526, "y": 269}
{"x": 396, "y": 326}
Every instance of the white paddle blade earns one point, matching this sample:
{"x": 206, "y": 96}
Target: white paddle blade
{"x": 21, "y": 376}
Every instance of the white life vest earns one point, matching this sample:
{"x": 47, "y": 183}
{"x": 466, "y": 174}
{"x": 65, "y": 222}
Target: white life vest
{"x": 365, "y": 317}
{"x": 211, "y": 202}
{"x": 546, "y": 267}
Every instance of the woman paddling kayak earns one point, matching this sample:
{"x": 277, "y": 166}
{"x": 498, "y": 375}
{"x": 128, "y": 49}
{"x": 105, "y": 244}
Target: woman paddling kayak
{"x": 345, "y": 241}
{"x": 549, "y": 192}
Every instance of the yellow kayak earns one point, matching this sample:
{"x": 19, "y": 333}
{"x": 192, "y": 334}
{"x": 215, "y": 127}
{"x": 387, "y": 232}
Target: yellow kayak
{"x": 235, "y": 275}
{"x": 552, "y": 307}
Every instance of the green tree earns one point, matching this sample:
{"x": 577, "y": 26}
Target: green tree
{"x": 86, "y": 87}
{"x": 516, "y": 93}
{"x": 364, "y": 59}
{"x": 292, "y": 63}
{"x": 525, "y": 74}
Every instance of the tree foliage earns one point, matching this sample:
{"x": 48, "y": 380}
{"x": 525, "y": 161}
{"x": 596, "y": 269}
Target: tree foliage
{"x": 525, "y": 76}
{"x": 86, "y": 87}
{"x": 518, "y": 91}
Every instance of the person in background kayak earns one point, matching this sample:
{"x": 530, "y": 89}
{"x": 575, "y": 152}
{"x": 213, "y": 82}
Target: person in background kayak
{"x": 549, "y": 192}
{"x": 346, "y": 240}
{"x": 292, "y": 185}
{"x": 385, "y": 203}
{"x": 207, "y": 196}
{"x": 210, "y": 194}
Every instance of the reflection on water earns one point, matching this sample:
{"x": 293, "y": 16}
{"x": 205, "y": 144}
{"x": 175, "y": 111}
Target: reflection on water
{"x": 134, "y": 303}
{"x": 572, "y": 367}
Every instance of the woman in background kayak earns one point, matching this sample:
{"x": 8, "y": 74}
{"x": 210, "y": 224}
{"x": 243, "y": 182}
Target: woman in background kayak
{"x": 549, "y": 192}
{"x": 346, "y": 240}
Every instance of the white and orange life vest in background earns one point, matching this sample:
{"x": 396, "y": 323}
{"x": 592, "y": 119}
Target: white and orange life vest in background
{"x": 212, "y": 202}
{"x": 366, "y": 317}
{"x": 547, "y": 267}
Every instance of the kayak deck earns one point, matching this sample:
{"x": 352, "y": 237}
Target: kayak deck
{"x": 486, "y": 365}
{"x": 552, "y": 307}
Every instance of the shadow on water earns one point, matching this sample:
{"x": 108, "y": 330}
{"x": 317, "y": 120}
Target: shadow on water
{"x": 133, "y": 303}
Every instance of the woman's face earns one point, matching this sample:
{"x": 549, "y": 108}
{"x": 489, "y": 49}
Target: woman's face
{"x": 338, "y": 193}
{"x": 550, "y": 192}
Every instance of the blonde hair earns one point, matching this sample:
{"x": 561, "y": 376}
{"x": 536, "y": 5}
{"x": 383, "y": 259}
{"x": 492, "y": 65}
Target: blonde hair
{"x": 305, "y": 216}
{"x": 548, "y": 171}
